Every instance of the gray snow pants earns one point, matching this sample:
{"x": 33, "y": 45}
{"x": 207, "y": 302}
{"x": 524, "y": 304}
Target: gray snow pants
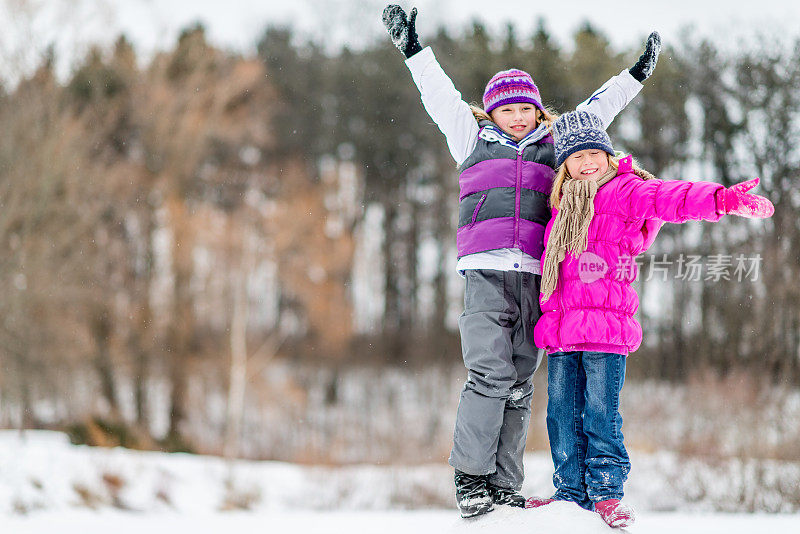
{"x": 500, "y": 311}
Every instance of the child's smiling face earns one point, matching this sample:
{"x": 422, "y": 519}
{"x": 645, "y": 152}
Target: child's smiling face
{"x": 589, "y": 164}
{"x": 517, "y": 120}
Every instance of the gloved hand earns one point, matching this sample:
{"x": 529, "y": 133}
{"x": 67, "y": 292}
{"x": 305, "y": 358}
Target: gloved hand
{"x": 735, "y": 200}
{"x": 402, "y": 29}
{"x": 646, "y": 63}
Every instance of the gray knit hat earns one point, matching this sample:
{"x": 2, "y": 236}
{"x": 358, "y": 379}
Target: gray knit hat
{"x": 579, "y": 130}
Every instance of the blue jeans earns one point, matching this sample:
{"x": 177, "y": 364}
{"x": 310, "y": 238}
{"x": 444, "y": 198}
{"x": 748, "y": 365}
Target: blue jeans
{"x": 585, "y": 427}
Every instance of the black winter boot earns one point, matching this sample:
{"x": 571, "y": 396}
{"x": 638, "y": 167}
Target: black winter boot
{"x": 507, "y": 496}
{"x": 472, "y": 495}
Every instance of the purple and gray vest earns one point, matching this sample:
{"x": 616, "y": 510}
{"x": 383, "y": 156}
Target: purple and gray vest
{"x": 505, "y": 188}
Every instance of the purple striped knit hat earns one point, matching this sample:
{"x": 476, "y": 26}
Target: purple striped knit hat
{"x": 510, "y": 87}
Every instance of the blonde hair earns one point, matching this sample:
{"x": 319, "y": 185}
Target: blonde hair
{"x": 562, "y": 174}
{"x": 546, "y": 115}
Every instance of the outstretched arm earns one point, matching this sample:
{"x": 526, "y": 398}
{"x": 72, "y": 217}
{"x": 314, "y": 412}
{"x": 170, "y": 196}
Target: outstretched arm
{"x": 614, "y": 95}
{"x": 678, "y": 201}
{"x": 442, "y": 101}
{"x": 673, "y": 201}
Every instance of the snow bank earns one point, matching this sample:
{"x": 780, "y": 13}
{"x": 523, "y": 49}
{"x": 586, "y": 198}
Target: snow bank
{"x": 41, "y": 471}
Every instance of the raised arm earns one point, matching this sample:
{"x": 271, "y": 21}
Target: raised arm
{"x": 442, "y": 101}
{"x": 616, "y": 93}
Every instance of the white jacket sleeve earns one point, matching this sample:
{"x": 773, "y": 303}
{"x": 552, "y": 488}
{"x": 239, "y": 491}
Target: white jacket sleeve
{"x": 444, "y": 104}
{"x": 612, "y": 97}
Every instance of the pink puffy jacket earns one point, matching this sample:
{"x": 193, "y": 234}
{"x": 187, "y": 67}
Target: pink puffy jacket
{"x": 594, "y": 303}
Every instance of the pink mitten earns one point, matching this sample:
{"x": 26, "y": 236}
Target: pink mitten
{"x": 735, "y": 200}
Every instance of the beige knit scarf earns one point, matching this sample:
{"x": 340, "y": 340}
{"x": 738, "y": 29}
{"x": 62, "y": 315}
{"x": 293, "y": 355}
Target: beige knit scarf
{"x": 570, "y": 229}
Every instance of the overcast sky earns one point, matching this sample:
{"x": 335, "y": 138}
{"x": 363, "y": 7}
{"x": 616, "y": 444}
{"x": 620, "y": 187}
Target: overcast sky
{"x": 72, "y": 25}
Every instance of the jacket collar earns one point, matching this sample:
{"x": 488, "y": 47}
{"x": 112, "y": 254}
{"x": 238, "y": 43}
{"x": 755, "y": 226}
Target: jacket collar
{"x": 625, "y": 165}
{"x": 492, "y": 133}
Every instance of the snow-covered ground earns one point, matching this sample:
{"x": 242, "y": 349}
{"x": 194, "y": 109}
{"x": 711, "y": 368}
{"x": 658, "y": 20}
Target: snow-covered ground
{"x": 558, "y": 519}
{"x": 45, "y": 481}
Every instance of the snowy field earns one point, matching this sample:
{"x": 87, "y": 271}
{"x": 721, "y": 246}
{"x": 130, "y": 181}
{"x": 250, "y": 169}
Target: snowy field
{"x": 45, "y": 481}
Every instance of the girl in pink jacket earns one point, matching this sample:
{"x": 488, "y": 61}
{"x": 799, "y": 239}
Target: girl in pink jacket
{"x": 605, "y": 212}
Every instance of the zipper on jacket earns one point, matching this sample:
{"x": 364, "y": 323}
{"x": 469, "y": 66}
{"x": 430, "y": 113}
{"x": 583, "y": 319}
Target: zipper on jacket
{"x": 518, "y": 197}
{"x": 477, "y": 209}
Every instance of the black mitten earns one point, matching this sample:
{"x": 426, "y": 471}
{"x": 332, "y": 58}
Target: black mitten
{"x": 402, "y": 29}
{"x": 646, "y": 64}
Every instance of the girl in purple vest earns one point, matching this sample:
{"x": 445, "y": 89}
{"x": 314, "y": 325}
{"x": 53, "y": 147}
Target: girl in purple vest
{"x": 506, "y": 161}
{"x": 605, "y": 212}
